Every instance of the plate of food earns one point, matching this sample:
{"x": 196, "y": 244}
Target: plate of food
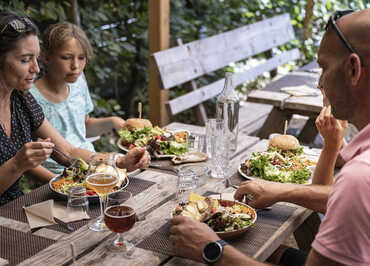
{"x": 284, "y": 162}
{"x": 228, "y": 218}
{"x": 75, "y": 176}
{"x": 160, "y": 142}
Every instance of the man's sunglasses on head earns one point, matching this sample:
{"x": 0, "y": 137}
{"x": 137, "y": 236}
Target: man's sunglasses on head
{"x": 332, "y": 22}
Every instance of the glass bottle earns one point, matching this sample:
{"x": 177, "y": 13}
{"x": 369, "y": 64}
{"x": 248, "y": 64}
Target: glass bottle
{"x": 227, "y": 108}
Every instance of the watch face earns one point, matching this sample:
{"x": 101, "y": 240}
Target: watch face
{"x": 212, "y": 251}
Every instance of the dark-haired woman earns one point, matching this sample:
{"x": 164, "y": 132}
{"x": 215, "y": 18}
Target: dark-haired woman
{"x": 26, "y": 137}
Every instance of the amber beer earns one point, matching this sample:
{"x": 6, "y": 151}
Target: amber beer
{"x": 119, "y": 218}
{"x": 101, "y": 183}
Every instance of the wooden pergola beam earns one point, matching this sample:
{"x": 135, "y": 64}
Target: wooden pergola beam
{"x": 159, "y": 39}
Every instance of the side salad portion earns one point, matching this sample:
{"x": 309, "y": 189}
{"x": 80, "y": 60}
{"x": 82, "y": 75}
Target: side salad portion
{"x": 272, "y": 166}
{"x": 158, "y": 141}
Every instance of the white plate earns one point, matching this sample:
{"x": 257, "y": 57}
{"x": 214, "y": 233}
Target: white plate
{"x": 309, "y": 181}
{"x": 119, "y": 144}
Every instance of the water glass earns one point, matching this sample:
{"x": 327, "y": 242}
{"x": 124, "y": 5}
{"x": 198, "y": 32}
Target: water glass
{"x": 77, "y": 200}
{"x": 218, "y": 144}
{"x": 186, "y": 183}
{"x": 196, "y": 142}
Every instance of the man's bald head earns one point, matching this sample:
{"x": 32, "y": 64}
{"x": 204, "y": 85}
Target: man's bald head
{"x": 356, "y": 29}
{"x": 344, "y": 79}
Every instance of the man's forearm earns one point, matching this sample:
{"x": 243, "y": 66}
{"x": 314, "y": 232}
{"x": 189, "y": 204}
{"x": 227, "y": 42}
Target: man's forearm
{"x": 324, "y": 170}
{"x": 314, "y": 197}
{"x": 232, "y": 256}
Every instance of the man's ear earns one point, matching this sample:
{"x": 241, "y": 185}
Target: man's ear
{"x": 353, "y": 68}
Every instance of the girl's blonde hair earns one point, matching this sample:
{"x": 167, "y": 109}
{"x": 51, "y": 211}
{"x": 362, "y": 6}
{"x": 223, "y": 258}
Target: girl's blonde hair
{"x": 58, "y": 33}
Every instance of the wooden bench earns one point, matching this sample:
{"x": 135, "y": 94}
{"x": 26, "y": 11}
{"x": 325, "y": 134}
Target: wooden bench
{"x": 184, "y": 64}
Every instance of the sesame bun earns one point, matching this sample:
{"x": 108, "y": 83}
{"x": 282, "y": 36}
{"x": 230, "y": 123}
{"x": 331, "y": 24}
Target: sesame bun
{"x": 284, "y": 142}
{"x": 134, "y": 123}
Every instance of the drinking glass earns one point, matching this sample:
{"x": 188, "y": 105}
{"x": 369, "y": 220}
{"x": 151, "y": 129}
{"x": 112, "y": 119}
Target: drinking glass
{"x": 186, "y": 183}
{"x": 120, "y": 217}
{"x": 219, "y": 146}
{"x": 77, "y": 201}
{"x": 102, "y": 178}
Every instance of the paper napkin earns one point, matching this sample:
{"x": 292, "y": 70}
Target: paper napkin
{"x": 43, "y": 213}
{"x": 300, "y": 91}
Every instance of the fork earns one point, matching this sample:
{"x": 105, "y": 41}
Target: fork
{"x": 70, "y": 160}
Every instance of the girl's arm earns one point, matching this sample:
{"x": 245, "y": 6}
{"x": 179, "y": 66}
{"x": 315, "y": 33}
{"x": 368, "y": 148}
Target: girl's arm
{"x": 98, "y": 126}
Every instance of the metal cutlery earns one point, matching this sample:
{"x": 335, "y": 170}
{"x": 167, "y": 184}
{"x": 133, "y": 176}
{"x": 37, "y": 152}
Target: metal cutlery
{"x": 70, "y": 160}
{"x": 165, "y": 168}
{"x": 63, "y": 224}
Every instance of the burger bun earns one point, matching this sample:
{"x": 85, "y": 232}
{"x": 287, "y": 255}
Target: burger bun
{"x": 137, "y": 123}
{"x": 284, "y": 142}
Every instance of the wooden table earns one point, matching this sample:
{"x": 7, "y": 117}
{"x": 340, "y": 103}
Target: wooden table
{"x": 157, "y": 204}
{"x": 284, "y": 105}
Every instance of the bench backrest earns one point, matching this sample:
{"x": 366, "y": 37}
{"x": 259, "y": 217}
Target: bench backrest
{"x": 192, "y": 60}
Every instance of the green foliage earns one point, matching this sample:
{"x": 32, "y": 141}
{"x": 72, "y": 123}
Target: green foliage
{"x": 118, "y": 31}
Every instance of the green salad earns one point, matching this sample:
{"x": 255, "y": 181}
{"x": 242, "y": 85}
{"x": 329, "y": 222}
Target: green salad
{"x": 158, "y": 141}
{"x": 273, "y": 166}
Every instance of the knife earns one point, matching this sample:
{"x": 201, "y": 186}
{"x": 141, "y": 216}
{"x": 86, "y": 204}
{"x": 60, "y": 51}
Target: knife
{"x": 165, "y": 168}
{"x": 63, "y": 224}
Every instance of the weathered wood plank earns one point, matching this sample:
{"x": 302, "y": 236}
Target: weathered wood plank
{"x": 205, "y": 93}
{"x": 274, "y": 123}
{"x": 24, "y": 227}
{"x": 308, "y": 103}
{"x": 252, "y": 114}
{"x": 181, "y": 64}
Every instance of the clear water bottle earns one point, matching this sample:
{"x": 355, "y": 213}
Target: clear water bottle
{"x": 227, "y": 108}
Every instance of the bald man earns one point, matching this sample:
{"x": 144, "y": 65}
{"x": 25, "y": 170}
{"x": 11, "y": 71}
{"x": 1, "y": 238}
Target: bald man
{"x": 344, "y": 235}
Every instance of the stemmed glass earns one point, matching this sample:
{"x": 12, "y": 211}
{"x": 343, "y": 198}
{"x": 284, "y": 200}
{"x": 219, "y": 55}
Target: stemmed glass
{"x": 120, "y": 217}
{"x": 102, "y": 178}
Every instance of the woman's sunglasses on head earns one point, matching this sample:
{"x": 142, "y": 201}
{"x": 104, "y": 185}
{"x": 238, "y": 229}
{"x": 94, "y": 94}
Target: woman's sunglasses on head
{"x": 18, "y": 25}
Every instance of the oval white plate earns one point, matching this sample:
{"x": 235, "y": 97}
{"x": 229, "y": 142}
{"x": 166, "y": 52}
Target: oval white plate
{"x": 119, "y": 144}
{"x": 309, "y": 181}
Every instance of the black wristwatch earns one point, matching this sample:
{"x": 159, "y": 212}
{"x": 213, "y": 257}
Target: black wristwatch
{"x": 212, "y": 252}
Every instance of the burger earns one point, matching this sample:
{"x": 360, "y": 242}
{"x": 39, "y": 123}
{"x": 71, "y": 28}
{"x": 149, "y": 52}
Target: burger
{"x": 137, "y": 123}
{"x": 286, "y": 145}
{"x": 135, "y": 133}
{"x": 158, "y": 141}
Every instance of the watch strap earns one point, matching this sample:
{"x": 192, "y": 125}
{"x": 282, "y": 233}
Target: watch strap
{"x": 221, "y": 244}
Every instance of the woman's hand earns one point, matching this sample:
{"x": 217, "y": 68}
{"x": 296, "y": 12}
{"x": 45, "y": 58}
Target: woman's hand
{"x": 32, "y": 154}
{"x": 331, "y": 129}
{"x": 137, "y": 158}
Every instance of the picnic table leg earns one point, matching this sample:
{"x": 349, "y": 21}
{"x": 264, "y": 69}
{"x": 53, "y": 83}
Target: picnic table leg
{"x": 274, "y": 122}
{"x": 306, "y": 232}
{"x": 309, "y": 132}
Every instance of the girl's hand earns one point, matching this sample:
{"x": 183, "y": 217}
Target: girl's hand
{"x": 117, "y": 122}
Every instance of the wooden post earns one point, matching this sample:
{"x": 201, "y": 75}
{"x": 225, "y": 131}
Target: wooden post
{"x": 159, "y": 28}
{"x": 73, "y": 12}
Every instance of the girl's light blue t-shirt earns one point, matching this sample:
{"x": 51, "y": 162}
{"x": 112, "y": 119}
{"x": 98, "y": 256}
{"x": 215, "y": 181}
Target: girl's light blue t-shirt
{"x": 68, "y": 117}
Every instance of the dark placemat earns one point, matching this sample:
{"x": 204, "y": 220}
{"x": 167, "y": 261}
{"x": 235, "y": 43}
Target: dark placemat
{"x": 14, "y": 210}
{"x": 16, "y": 246}
{"x": 268, "y": 222}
